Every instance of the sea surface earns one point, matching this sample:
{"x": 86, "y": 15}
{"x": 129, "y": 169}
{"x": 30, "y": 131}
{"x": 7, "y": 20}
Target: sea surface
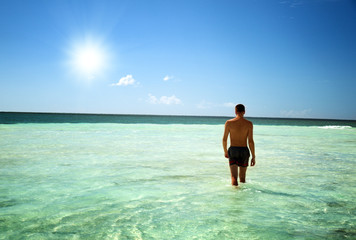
{"x": 82, "y": 176}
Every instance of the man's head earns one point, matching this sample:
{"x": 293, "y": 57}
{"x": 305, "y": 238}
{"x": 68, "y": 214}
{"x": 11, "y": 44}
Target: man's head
{"x": 239, "y": 109}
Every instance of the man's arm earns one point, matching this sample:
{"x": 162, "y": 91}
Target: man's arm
{"x": 251, "y": 144}
{"x": 226, "y": 134}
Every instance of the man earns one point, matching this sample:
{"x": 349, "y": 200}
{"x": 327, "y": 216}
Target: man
{"x": 241, "y": 132}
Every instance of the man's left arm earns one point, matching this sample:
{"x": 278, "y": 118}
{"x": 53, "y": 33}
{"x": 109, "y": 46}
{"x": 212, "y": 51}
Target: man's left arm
{"x": 251, "y": 144}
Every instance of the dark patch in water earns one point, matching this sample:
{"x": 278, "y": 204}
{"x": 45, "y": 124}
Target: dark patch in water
{"x": 7, "y": 203}
{"x": 345, "y": 233}
{"x": 65, "y": 164}
{"x": 329, "y": 187}
{"x": 278, "y": 193}
{"x": 177, "y": 177}
{"x": 336, "y": 204}
{"x": 65, "y": 233}
{"x": 159, "y": 179}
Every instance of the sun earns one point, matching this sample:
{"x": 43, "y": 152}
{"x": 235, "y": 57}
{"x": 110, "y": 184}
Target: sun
{"x": 88, "y": 59}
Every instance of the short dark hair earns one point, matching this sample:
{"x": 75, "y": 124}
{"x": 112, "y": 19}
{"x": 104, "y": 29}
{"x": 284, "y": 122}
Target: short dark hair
{"x": 240, "y": 108}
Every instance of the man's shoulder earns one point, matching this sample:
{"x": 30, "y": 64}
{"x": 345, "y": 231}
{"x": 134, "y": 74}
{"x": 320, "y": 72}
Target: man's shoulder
{"x": 248, "y": 121}
{"x": 238, "y": 121}
{"x": 249, "y": 125}
{"x": 230, "y": 120}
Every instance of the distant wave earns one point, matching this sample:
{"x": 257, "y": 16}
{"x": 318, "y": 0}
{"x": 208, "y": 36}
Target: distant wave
{"x": 335, "y": 127}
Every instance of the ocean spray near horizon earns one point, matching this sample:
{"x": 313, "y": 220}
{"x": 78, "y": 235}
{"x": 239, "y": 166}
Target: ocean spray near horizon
{"x": 158, "y": 177}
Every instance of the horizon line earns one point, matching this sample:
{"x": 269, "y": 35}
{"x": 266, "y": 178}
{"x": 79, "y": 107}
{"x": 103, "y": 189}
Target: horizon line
{"x": 174, "y": 115}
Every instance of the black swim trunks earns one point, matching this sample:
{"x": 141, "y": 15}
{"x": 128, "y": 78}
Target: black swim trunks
{"x": 239, "y": 156}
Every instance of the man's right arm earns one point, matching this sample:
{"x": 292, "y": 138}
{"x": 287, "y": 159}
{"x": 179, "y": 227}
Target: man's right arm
{"x": 251, "y": 144}
{"x": 226, "y": 134}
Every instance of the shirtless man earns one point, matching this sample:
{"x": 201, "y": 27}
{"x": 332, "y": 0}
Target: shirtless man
{"x": 240, "y": 131}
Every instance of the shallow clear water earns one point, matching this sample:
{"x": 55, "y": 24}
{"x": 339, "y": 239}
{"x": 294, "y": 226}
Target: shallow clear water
{"x": 171, "y": 181}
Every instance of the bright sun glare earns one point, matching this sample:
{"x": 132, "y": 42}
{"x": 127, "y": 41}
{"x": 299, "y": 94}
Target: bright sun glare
{"x": 88, "y": 59}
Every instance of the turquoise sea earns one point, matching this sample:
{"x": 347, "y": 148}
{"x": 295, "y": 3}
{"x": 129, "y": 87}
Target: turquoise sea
{"x": 78, "y": 176}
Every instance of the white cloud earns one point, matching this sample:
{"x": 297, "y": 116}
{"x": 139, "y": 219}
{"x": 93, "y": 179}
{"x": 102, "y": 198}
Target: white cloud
{"x": 166, "y": 78}
{"x": 152, "y": 99}
{"x": 164, "y": 100}
{"x": 170, "y": 100}
{"x": 293, "y": 3}
{"x": 124, "y": 81}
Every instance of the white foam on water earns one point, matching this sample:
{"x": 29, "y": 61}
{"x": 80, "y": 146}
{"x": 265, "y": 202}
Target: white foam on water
{"x": 335, "y": 127}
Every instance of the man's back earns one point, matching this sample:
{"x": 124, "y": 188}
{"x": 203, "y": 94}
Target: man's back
{"x": 239, "y": 129}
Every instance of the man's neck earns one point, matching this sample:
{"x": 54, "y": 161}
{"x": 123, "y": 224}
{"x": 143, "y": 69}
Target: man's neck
{"x": 239, "y": 116}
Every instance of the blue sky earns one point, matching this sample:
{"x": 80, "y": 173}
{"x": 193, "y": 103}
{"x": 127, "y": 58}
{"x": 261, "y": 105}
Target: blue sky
{"x": 279, "y": 58}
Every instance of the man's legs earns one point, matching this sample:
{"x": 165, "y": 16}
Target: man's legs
{"x": 234, "y": 173}
{"x": 243, "y": 174}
